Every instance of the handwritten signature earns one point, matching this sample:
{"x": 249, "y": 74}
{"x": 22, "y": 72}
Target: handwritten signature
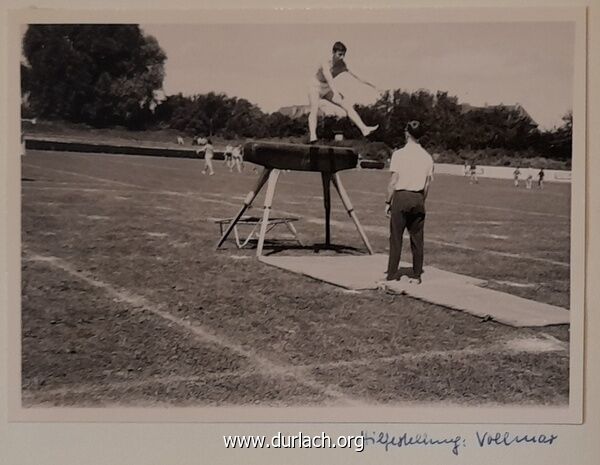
{"x": 508, "y": 439}
{"x": 456, "y": 443}
{"x": 388, "y": 440}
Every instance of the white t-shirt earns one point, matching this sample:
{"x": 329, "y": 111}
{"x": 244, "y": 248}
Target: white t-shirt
{"x": 413, "y": 165}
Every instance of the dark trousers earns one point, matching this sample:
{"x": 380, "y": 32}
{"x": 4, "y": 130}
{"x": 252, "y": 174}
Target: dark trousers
{"x": 407, "y": 212}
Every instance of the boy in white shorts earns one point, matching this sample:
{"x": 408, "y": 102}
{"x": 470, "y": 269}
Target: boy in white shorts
{"x": 209, "y": 152}
{"x": 322, "y": 86}
{"x": 237, "y": 158}
{"x": 227, "y": 154}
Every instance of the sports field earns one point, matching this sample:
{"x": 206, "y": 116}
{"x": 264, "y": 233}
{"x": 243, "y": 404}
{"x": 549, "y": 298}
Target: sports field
{"x": 125, "y": 301}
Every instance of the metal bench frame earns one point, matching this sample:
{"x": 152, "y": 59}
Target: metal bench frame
{"x": 256, "y": 222}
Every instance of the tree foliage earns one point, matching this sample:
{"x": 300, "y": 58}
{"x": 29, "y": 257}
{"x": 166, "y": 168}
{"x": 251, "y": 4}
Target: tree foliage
{"x": 217, "y": 114}
{"x": 98, "y": 74}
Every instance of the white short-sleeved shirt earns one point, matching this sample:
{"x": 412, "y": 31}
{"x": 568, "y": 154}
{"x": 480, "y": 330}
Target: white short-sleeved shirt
{"x": 413, "y": 165}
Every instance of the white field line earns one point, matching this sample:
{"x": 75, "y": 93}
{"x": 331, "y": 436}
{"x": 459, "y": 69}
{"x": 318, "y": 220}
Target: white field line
{"x": 508, "y": 347}
{"x": 466, "y": 206}
{"x": 503, "y": 209}
{"x": 514, "y": 284}
{"x": 264, "y": 365}
{"x": 51, "y": 183}
{"x": 141, "y": 188}
{"x": 74, "y": 173}
{"x": 381, "y": 230}
{"x": 497, "y": 236}
{"x": 462, "y": 205}
{"x": 495, "y": 349}
{"x": 554, "y": 340}
{"x": 345, "y": 225}
{"x": 79, "y": 189}
{"x": 126, "y": 159}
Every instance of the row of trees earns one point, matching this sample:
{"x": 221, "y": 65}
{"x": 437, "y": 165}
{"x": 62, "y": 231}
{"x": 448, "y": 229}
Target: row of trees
{"x": 217, "y": 114}
{"x": 449, "y": 125}
{"x": 107, "y": 75}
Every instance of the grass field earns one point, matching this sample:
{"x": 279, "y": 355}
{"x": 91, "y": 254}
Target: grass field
{"x": 126, "y": 302}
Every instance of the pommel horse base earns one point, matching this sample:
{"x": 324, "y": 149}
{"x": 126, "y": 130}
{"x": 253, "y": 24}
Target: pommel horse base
{"x": 298, "y": 157}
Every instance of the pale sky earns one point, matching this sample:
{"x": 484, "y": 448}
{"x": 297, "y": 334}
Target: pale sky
{"x": 269, "y": 64}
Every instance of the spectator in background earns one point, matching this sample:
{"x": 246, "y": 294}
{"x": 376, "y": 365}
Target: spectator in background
{"x": 209, "y": 153}
{"x": 466, "y": 169}
{"x": 529, "y": 181}
{"x": 198, "y": 140}
{"x": 516, "y": 174}
{"x": 541, "y": 175}
{"x": 473, "y": 174}
{"x": 412, "y": 173}
{"x": 228, "y": 159}
{"x": 237, "y": 158}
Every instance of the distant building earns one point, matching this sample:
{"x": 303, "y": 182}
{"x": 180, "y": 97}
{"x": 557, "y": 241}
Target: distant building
{"x": 523, "y": 114}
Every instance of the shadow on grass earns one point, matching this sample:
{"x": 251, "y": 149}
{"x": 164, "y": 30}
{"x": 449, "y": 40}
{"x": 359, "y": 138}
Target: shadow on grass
{"x": 273, "y": 247}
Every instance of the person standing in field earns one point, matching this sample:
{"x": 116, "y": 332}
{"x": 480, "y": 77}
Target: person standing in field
{"x": 237, "y": 158}
{"x": 473, "y": 174}
{"x": 541, "y": 175}
{"x": 516, "y": 174}
{"x": 412, "y": 173}
{"x": 322, "y": 87}
{"x": 529, "y": 181}
{"x": 198, "y": 140}
{"x": 209, "y": 153}
{"x": 228, "y": 159}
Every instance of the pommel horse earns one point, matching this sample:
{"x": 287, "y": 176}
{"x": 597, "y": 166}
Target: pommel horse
{"x": 275, "y": 156}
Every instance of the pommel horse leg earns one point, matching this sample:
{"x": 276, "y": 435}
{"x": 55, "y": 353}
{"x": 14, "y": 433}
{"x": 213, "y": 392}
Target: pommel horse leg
{"x": 326, "y": 178}
{"x": 337, "y": 182}
{"x": 247, "y": 203}
{"x": 267, "y": 210}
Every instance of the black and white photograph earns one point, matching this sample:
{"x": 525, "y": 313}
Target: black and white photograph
{"x": 355, "y": 216}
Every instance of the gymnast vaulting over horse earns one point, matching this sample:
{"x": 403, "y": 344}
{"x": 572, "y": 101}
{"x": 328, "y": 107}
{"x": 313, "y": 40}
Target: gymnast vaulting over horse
{"x": 322, "y": 87}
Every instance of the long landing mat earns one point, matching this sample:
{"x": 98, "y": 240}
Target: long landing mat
{"x": 451, "y": 290}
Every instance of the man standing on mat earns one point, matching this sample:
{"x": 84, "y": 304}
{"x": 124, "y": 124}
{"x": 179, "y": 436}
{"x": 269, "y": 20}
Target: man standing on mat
{"x": 412, "y": 173}
{"x": 322, "y": 86}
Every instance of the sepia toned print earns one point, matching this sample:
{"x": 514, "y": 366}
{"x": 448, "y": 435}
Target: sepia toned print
{"x": 205, "y": 219}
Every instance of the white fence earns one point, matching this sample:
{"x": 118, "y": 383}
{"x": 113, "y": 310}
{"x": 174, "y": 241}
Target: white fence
{"x": 504, "y": 172}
